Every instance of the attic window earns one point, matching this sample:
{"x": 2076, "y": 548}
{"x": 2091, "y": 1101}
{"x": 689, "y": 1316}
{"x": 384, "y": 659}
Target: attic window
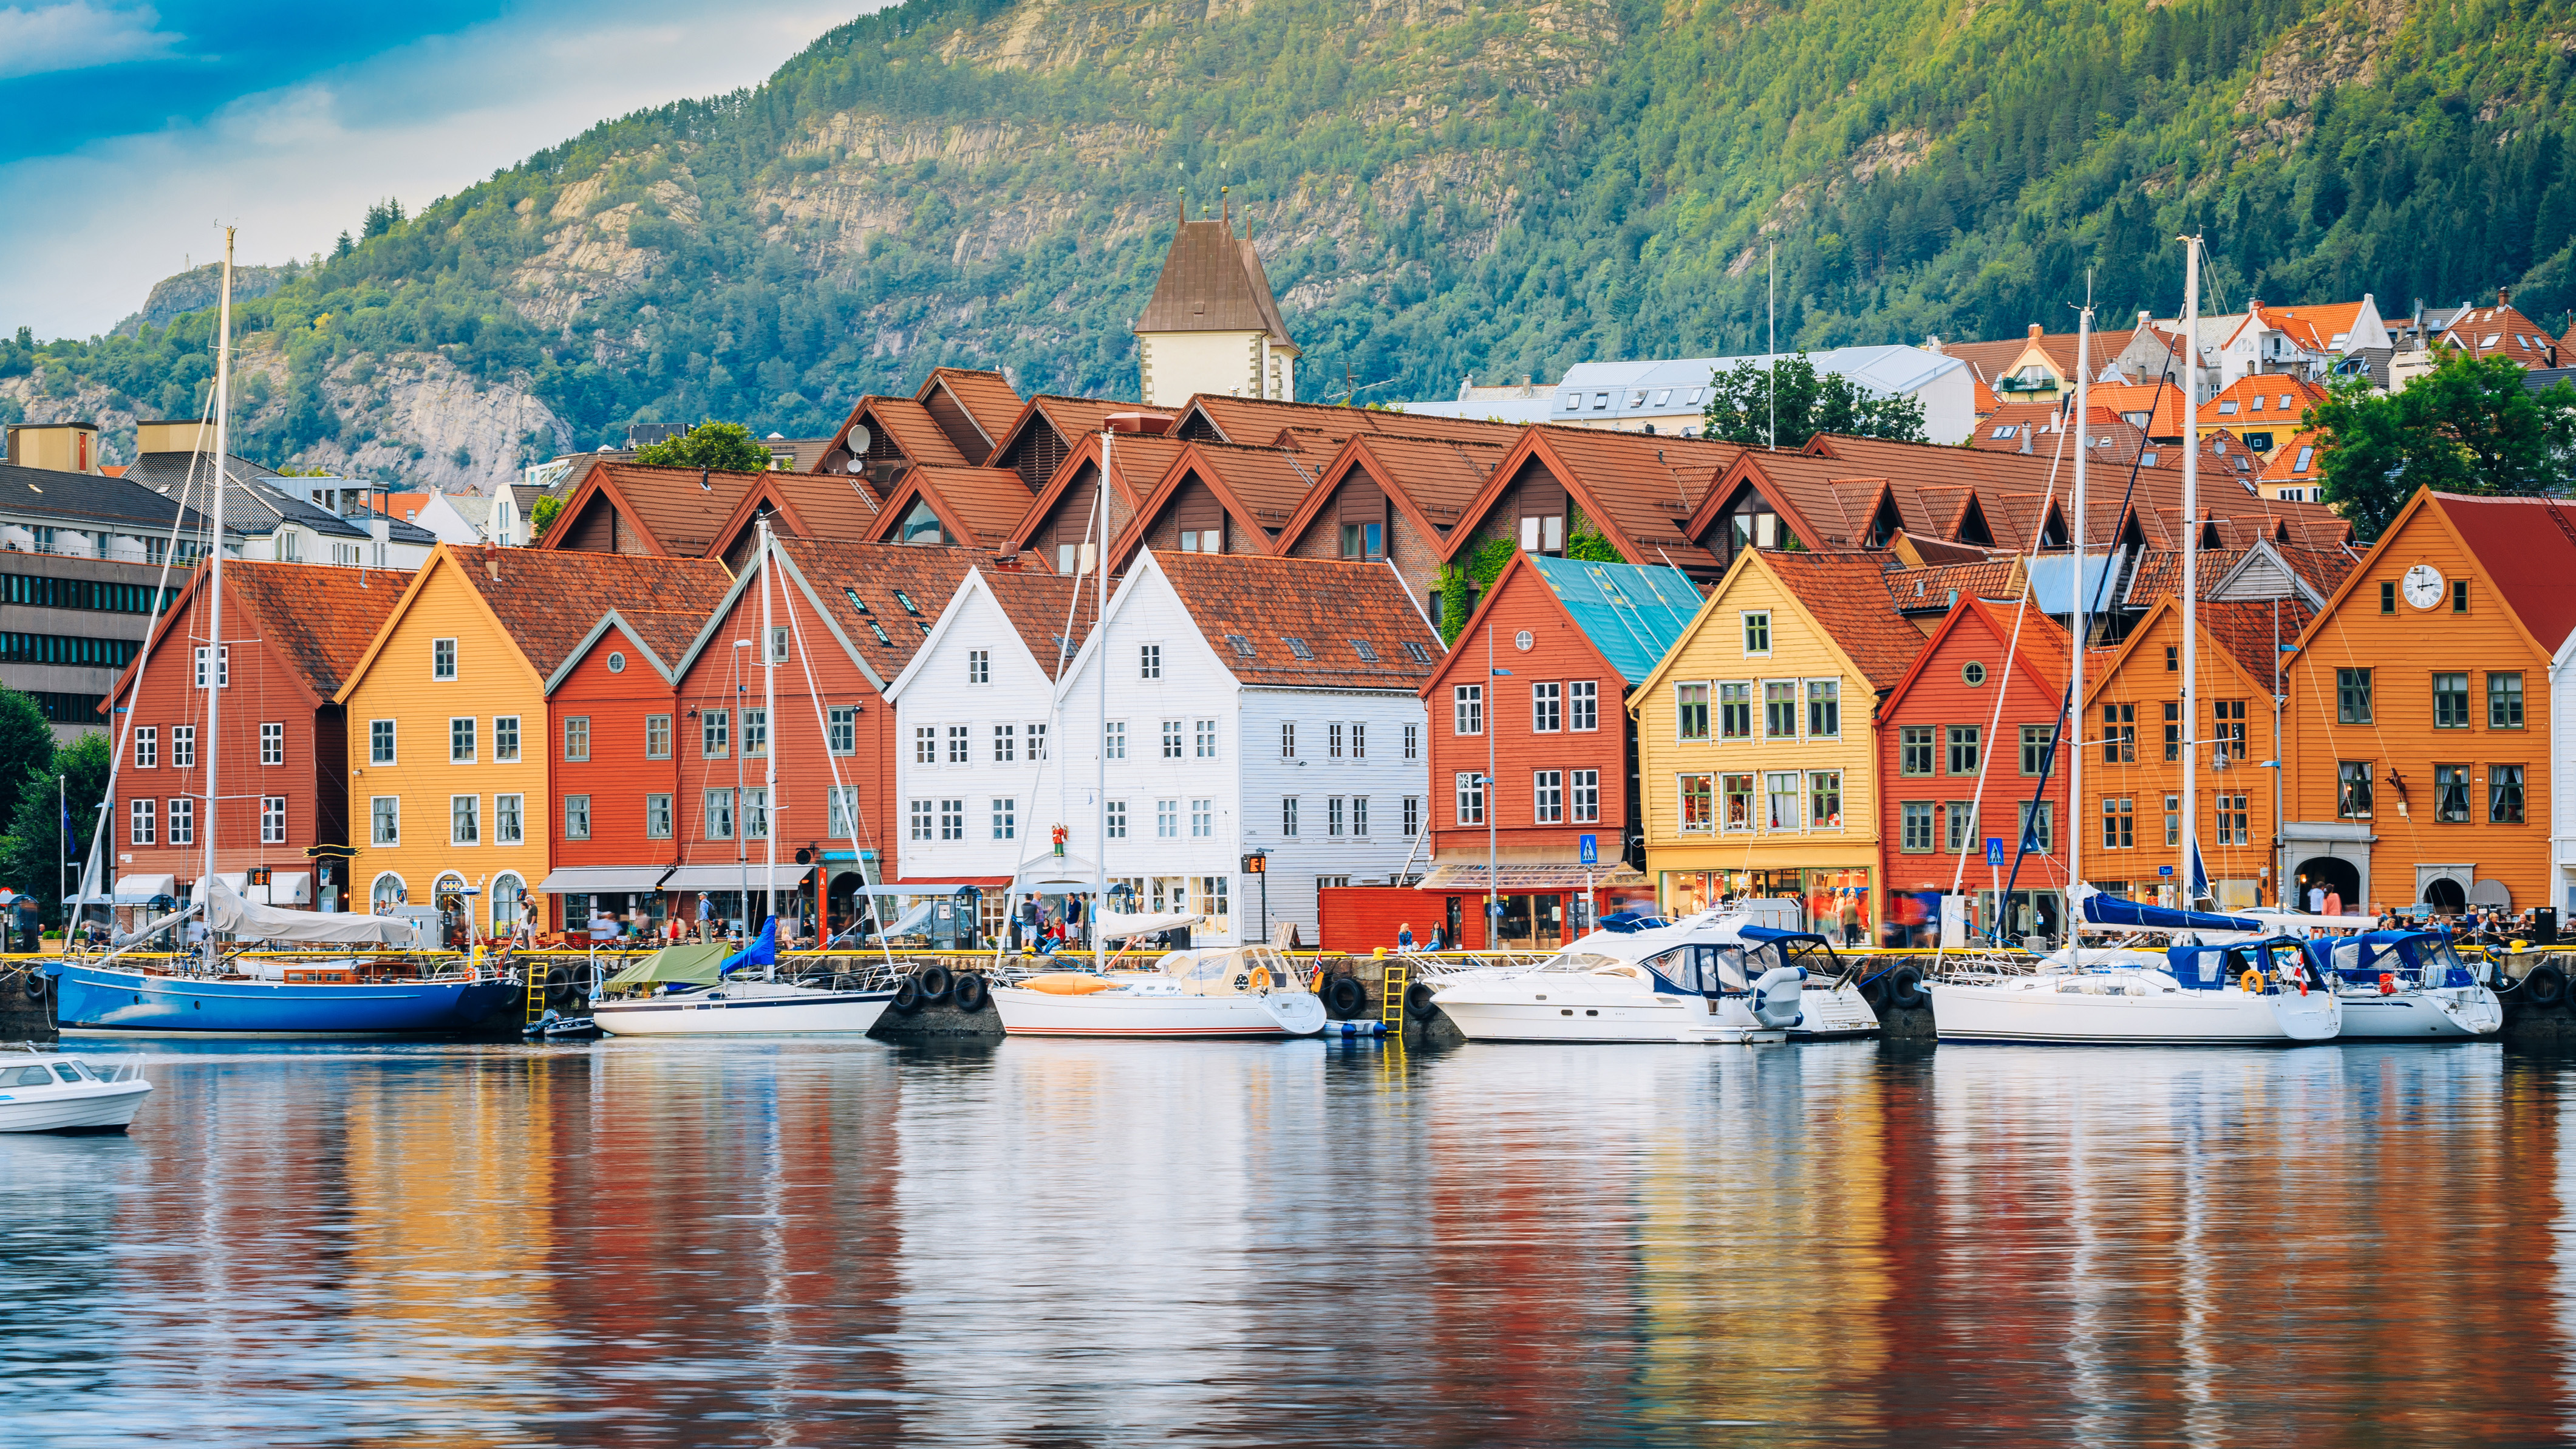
{"x": 2258, "y": 403}
{"x": 2008, "y": 430}
{"x": 1664, "y": 397}
{"x": 1420, "y": 654}
{"x": 2492, "y": 339}
{"x": 2226, "y": 408}
{"x": 1693, "y": 399}
{"x": 2147, "y": 459}
{"x": 1600, "y": 400}
{"x": 1574, "y": 402}
{"x": 1242, "y": 646}
{"x": 2305, "y": 454}
{"x": 1297, "y": 646}
{"x": 1637, "y": 399}
{"x": 2285, "y": 402}
{"x": 879, "y": 630}
{"x": 1364, "y": 650}
{"x": 856, "y": 602}
{"x": 909, "y": 606}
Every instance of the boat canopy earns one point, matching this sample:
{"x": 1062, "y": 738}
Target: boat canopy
{"x": 2108, "y": 910}
{"x": 1119, "y": 925}
{"x": 695, "y": 963}
{"x": 2418, "y": 958}
{"x": 2213, "y": 967}
{"x": 226, "y": 911}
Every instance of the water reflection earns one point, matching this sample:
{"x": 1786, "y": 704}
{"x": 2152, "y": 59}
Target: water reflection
{"x": 1056, "y": 1241}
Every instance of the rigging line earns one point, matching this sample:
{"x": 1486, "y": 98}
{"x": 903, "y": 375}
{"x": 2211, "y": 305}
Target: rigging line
{"x": 858, "y": 813}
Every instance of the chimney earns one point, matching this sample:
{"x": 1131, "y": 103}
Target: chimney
{"x": 2034, "y": 330}
{"x": 492, "y": 560}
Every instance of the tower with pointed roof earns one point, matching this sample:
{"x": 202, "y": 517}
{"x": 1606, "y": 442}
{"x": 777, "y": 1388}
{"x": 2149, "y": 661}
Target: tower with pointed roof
{"x": 1213, "y": 326}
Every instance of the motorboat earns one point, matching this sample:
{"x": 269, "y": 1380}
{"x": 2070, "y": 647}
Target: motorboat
{"x": 1236, "y": 991}
{"x": 555, "y": 1026}
{"x": 691, "y": 990}
{"x": 2241, "y": 992}
{"x": 51, "y": 1092}
{"x": 2406, "y": 984}
{"x": 1704, "y": 980}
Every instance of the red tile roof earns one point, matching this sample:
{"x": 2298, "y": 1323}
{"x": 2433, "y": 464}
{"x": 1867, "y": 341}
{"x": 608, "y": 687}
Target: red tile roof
{"x": 680, "y": 509}
{"x": 2302, "y": 459}
{"x": 1323, "y": 604}
{"x": 1041, "y": 606}
{"x": 987, "y": 397}
{"x": 2246, "y": 630}
{"x": 1846, "y": 594}
{"x": 1260, "y": 421}
{"x": 2158, "y": 407}
{"x": 859, "y": 583}
{"x": 548, "y": 601}
{"x": 2527, "y": 549}
{"x": 2501, "y": 331}
{"x": 2268, "y": 401}
{"x": 1912, "y": 590}
{"x": 319, "y": 620}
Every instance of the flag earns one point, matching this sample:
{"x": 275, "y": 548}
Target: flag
{"x": 2199, "y": 872}
{"x": 762, "y": 952}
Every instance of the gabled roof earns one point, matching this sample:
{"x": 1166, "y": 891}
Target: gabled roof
{"x": 1432, "y": 481}
{"x": 1831, "y": 503}
{"x": 1262, "y": 421}
{"x": 318, "y": 620}
{"x": 2038, "y": 651}
{"x": 1212, "y": 281}
{"x": 979, "y": 506}
{"x": 802, "y": 505}
{"x": 2527, "y": 548}
{"x": 1138, "y": 461}
{"x": 253, "y": 503}
{"x": 862, "y": 588}
{"x": 2257, "y": 400}
{"x": 1639, "y": 489}
{"x": 1342, "y": 613}
{"x": 1846, "y": 594}
{"x": 910, "y": 427}
{"x": 678, "y": 512}
{"x": 2501, "y": 331}
{"x": 2157, "y": 406}
{"x": 1259, "y": 488}
{"x": 2302, "y": 459}
{"x": 1632, "y": 613}
{"x": 1052, "y": 613}
{"x": 1940, "y": 587}
{"x": 2239, "y": 635}
{"x": 986, "y": 398}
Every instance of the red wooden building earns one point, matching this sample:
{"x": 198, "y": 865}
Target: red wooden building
{"x": 1955, "y": 770}
{"x": 292, "y": 632}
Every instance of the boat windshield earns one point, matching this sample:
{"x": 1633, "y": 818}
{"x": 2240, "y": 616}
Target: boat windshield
{"x": 35, "y": 1076}
{"x": 1711, "y": 969}
{"x": 2440, "y": 960}
{"x": 1578, "y": 963}
{"x": 1220, "y": 973}
{"x": 69, "y": 1072}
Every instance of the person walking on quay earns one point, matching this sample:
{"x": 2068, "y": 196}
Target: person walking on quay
{"x": 2334, "y": 901}
{"x": 706, "y": 917}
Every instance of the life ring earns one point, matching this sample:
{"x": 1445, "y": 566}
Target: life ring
{"x": 1905, "y": 989}
{"x": 2251, "y": 982}
{"x": 2545, "y": 986}
{"x": 933, "y": 982}
{"x": 968, "y": 992}
{"x": 1259, "y": 980}
{"x": 907, "y": 996}
{"x": 1345, "y": 997}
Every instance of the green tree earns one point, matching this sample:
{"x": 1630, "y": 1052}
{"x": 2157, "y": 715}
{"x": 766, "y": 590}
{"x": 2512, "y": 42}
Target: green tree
{"x": 726, "y": 447}
{"x": 26, "y": 746}
{"x": 1739, "y": 407}
{"x": 542, "y": 517}
{"x": 2468, "y": 426}
{"x": 35, "y": 852}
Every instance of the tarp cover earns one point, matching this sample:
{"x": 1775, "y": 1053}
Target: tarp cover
{"x": 2105, "y": 910}
{"x": 693, "y": 962}
{"x": 1119, "y": 925}
{"x": 226, "y": 911}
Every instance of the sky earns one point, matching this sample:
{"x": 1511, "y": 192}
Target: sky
{"x": 135, "y": 131}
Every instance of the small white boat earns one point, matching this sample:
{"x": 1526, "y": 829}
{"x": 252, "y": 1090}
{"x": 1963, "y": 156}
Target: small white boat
{"x": 1702, "y": 980}
{"x": 1245, "y": 991}
{"x": 685, "y": 991}
{"x": 2236, "y": 993}
{"x": 51, "y": 1092}
{"x": 2407, "y": 984}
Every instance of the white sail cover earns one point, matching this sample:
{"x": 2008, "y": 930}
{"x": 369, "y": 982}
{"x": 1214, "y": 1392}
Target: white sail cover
{"x": 226, "y": 911}
{"x": 1119, "y": 925}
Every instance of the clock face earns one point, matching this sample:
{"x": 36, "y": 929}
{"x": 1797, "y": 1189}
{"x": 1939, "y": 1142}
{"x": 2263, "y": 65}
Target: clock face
{"x": 2422, "y": 586}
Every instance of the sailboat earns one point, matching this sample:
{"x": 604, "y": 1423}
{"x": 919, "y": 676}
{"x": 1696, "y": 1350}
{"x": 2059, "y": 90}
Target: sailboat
{"x": 2221, "y": 979}
{"x": 207, "y": 995}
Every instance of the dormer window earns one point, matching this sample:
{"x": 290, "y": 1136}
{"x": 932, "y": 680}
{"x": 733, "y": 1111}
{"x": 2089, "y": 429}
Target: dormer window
{"x": 1297, "y": 646}
{"x": 922, "y": 525}
{"x": 1574, "y": 402}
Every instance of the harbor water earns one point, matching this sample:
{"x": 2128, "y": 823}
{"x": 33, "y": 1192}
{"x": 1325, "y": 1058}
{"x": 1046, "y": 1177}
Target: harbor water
{"x": 1068, "y": 1242}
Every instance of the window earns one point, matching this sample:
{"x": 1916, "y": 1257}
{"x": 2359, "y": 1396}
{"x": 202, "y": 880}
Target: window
{"x": 576, "y": 817}
{"x": 1332, "y": 815}
{"x": 841, "y": 811}
{"x": 719, "y": 814}
{"x": 576, "y": 736}
{"x": 657, "y": 817}
{"x": 1735, "y": 802}
{"x": 1333, "y": 741}
{"x": 1963, "y": 827}
{"x": 272, "y": 743}
{"x": 840, "y": 729}
{"x": 460, "y": 740}
{"x": 2459, "y": 596}
{"x": 1914, "y": 828}
{"x": 1115, "y": 822}
{"x": 147, "y": 745}
{"x": 1202, "y": 819}
{"x": 2229, "y": 716}
{"x": 1963, "y": 749}
{"x": 1780, "y": 796}
{"x": 1825, "y": 799}
{"x": 778, "y": 643}
{"x": 1167, "y": 819}
{"x": 1584, "y": 695}
{"x": 442, "y": 659}
{"x": 2119, "y": 737}
{"x": 2119, "y": 822}
{"x": 1208, "y": 898}
{"x": 1113, "y": 740}
{"x": 1203, "y": 737}
{"x": 1288, "y": 815}
{"x": 2039, "y": 830}
{"x": 1471, "y": 799}
{"x": 755, "y": 813}
{"x": 1287, "y": 739}
{"x": 1690, "y": 711}
{"x": 2352, "y": 696}
{"x": 961, "y": 746}
{"x": 1171, "y": 739}
{"x": 1780, "y": 711}
{"x": 464, "y": 819}
{"x": 1547, "y": 794}
{"x": 2233, "y": 820}
{"x": 1914, "y": 750}
{"x": 223, "y": 667}
{"x": 2504, "y": 701}
{"x": 755, "y": 733}
{"x": 952, "y": 820}
{"x": 1036, "y": 733}
{"x": 384, "y": 820}
{"x": 1757, "y": 632}
{"x": 2173, "y": 820}
{"x": 1006, "y": 743}
{"x": 141, "y": 817}
{"x": 2173, "y": 730}
{"x": 979, "y": 666}
{"x": 1359, "y": 815}
{"x": 1824, "y": 709}
{"x": 715, "y": 734}
{"x": 505, "y": 739}
{"x": 1735, "y": 711}
{"x": 1467, "y": 705}
{"x": 2352, "y": 790}
{"x": 2504, "y": 794}
{"x": 1413, "y": 742}
{"x": 1006, "y": 818}
{"x": 509, "y": 819}
{"x": 183, "y": 747}
{"x": 2388, "y": 597}
{"x": 1697, "y": 795}
{"x": 1587, "y": 796}
{"x": 1412, "y": 816}
{"x": 1363, "y": 540}
{"x": 2450, "y": 796}
{"x": 2450, "y": 701}
{"x": 925, "y": 744}
{"x": 1547, "y": 707}
{"x": 2035, "y": 742}
{"x": 1149, "y": 661}
{"x": 1297, "y": 646}
{"x": 1359, "y": 740}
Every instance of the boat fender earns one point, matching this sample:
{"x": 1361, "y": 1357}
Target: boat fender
{"x": 907, "y": 996}
{"x": 1777, "y": 997}
{"x": 1346, "y": 997}
{"x": 1417, "y": 999}
{"x": 2546, "y": 985}
{"x": 1873, "y": 993}
{"x": 33, "y": 984}
{"x": 557, "y": 978}
{"x": 1905, "y": 988}
{"x": 2387, "y": 983}
{"x": 2251, "y": 982}
{"x": 933, "y": 983}
{"x": 968, "y": 992}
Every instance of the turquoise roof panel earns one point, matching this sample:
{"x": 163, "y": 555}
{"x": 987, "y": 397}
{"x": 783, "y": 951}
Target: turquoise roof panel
{"x": 1632, "y": 613}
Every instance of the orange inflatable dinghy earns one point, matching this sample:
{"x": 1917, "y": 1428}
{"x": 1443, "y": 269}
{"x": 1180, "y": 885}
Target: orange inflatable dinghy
{"x": 1066, "y": 983}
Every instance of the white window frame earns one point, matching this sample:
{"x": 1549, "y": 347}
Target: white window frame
{"x": 1470, "y": 797}
{"x": 506, "y": 739}
{"x": 272, "y": 820}
{"x": 1149, "y": 661}
{"x": 272, "y": 743}
{"x": 1745, "y": 619}
{"x": 1582, "y": 706}
{"x": 1006, "y": 817}
{"x": 384, "y": 811}
{"x": 183, "y": 820}
{"x": 465, "y": 828}
{"x": 925, "y": 821}
{"x": 388, "y": 736}
{"x": 1547, "y": 797}
{"x": 183, "y": 747}
{"x": 470, "y": 738}
{"x": 442, "y": 660}
{"x": 509, "y": 819}
{"x": 1202, "y": 819}
{"x": 147, "y": 747}
{"x": 979, "y": 666}
{"x": 716, "y": 806}
{"x": 142, "y": 822}
{"x": 1547, "y": 707}
{"x": 1467, "y": 709}
{"x": 1113, "y": 740}
{"x": 1583, "y": 792}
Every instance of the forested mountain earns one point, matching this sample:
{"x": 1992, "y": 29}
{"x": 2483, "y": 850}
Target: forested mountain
{"x": 1439, "y": 188}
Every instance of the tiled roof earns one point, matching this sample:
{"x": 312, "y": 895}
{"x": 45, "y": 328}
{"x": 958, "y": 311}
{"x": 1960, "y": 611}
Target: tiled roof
{"x": 1649, "y": 485}
{"x": 1260, "y": 421}
{"x": 1212, "y": 281}
{"x": 987, "y": 500}
{"x": 910, "y": 427}
{"x": 2159, "y": 571}
{"x": 2247, "y": 630}
{"x": 1270, "y": 481}
{"x": 681, "y": 508}
{"x": 827, "y": 506}
{"x": 1441, "y": 475}
{"x": 1041, "y": 605}
{"x": 1321, "y": 603}
{"x": 873, "y": 573}
{"x": 1987, "y": 360}
{"x": 2502, "y": 331}
{"x": 1632, "y": 613}
{"x": 1934, "y": 552}
{"x": 320, "y": 620}
{"x": 2527, "y": 549}
{"x": 549, "y": 601}
{"x": 1911, "y": 590}
{"x": 1834, "y": 492}
{"x": 987, "y": 397}
{"x": 1846, "y": 593}
{"x": 2266, "y": 400}
{"x": 2156, "y": 406}
{"x": 2302, "y": 459}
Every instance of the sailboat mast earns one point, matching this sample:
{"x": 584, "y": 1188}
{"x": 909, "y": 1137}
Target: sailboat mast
{"x": 768, "y": 740}
{"x": 2190, "y": 568}
{"x": 1100, "y": 669}
{"x": 214, "y": 673}
{"x": 2076, "y": 708}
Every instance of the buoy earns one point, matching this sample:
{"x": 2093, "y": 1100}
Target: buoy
{"x": 2252, "y": 982}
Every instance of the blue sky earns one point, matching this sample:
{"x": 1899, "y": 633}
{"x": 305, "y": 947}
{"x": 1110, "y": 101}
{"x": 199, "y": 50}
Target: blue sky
{"x": 134, "y": 131}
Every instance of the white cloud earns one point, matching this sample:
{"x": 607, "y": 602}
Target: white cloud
{"x": 293, "y": 167}
{"x": 76, "y": 36}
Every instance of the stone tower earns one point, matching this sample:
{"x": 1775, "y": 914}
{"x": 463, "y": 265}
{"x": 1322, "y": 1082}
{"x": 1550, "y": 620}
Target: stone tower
{"x": 1213, "y": 326}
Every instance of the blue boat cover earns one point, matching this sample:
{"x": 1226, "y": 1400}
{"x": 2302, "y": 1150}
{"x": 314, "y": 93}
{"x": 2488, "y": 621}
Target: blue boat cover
{"x": 2208, "y": 968}
{"x": 2108, "y": 910}
{"x": 762, "y": 952}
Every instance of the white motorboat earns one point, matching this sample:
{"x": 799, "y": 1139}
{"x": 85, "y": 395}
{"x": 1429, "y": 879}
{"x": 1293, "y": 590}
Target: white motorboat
{"x": 2245, "y": 992}
{"x": 2407, "y": 984}
{"x": 743, "y": 1008}
{"x": 51, "y": 1092}
{"x": 1703, "y": 980}
{"x": 1245, "y": 991}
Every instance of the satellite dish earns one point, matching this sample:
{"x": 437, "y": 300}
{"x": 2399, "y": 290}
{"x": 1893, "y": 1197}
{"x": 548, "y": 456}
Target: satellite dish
{"x": 859, "y": 437}
{"x": 857, "y": 464}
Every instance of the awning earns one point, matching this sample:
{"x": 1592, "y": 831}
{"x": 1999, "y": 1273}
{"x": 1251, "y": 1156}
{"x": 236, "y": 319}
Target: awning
{"x": 730, "y": 877}
{"x": 134, "y": 890}
{"x": 595, "y": 879}
{"x": 1509, "y": 878}
{"x": 1050, "y": 875}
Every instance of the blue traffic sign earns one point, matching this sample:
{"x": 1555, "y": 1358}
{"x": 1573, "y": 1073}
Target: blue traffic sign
{"x": 1591, "y": 847}
{"x": 1994, "y": 850}
{"x": 2164, "y": 870}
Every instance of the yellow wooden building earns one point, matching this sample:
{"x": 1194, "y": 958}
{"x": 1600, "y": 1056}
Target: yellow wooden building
{"x": 1755, "y": 756}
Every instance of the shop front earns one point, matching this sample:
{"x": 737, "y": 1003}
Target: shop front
{"x": 1836, "y": 898}
{"x": 1530, "y": 907}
